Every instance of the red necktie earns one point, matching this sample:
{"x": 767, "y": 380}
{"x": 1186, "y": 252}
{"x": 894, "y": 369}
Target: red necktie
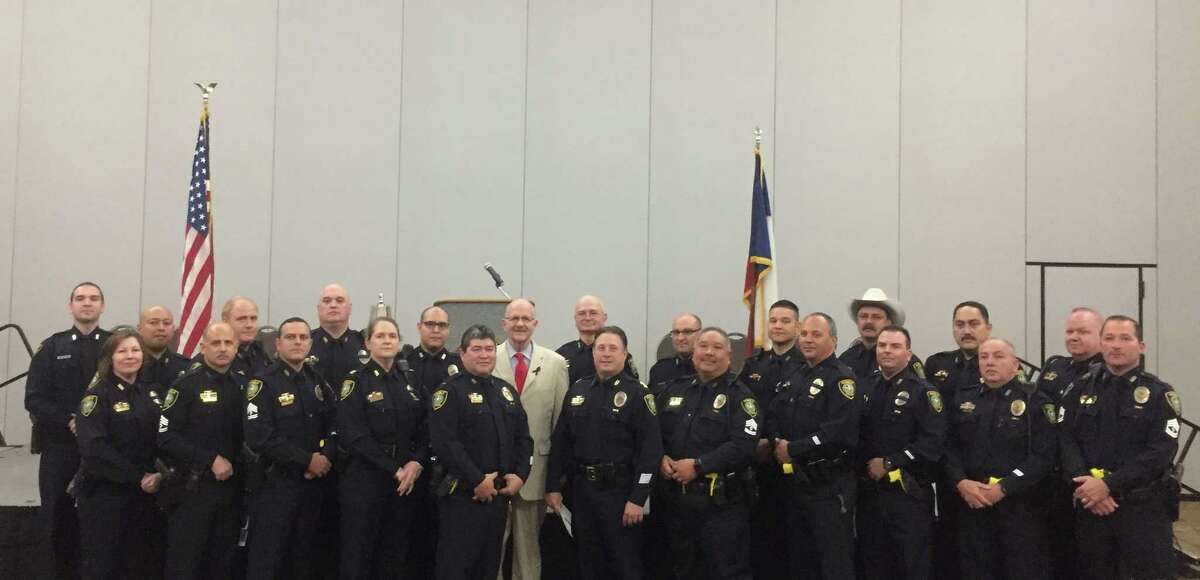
{"x": 521, "y": 371}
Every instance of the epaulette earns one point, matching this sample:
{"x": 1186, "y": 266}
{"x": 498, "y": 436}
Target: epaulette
{"x": 192, "y": 370}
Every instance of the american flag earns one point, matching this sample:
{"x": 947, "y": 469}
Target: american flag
{"x": 196, "y": 289}
{"x": 760, "y": 289}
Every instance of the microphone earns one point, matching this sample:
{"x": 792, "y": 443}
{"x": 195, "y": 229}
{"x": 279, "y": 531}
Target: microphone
{"x": 496, "y": 278}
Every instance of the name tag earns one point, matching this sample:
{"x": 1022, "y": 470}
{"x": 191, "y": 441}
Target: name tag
{"x": 286, "y": 399}
{"x": 675, "y": 402}
{"x": 374, "y": 396}
{"x": 120, "y": 407}
{"x": 475, "y": 398}
{"x": 577, "y": 400}
{"x": 63, "y": 357}
{"x": 208, "y": 396}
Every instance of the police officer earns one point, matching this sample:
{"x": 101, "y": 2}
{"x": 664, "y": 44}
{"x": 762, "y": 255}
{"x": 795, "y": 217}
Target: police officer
{"x": 666, "y": 370}
{"x": 382, "y": 422}
{"x": 900, "y": 442}
{"x": 763, "y": 373}
{"x": 999, "y": 449}
{"x": 871, "y": 314}
{"x": 1082, "y": 339}
{"x": 1120, "y": 433}
{"x": 949, "y": 370}
{"x": 814, "y": 423}
{"x": 241, "y": 314}
{"x": 709, "y": 425}
{"x": 60, "y": 371}
{"x": 337, "y": 349}
{"x": 200, "y": 431}
{"x": 609, "y": 445}
{"x": 161, "y": 366}
{"x": 288, "y": 423}
{"x": 1059, "y": 374}
{"x": 481, "y": 436}
{"x": 430, "y": 361}
{"x": 589, "y": 318}
{"x": 117, "y": 425}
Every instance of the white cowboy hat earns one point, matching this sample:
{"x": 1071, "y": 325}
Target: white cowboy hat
{"x": 876, "y": 297}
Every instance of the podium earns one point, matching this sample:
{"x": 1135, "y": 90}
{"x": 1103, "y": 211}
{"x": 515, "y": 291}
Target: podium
{"x": 464, "y": 312}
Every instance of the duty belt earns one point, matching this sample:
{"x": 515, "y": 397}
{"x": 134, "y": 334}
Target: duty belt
{"x": 605, "y": 474}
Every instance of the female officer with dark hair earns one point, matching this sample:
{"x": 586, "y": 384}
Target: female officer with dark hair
{"x": 381, "y": 420}
{"x": 118, "y": 427}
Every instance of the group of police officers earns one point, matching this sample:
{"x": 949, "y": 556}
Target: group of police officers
{"x": 349, "y": 455}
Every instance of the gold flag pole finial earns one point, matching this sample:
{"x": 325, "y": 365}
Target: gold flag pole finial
{"x": 206, "y": 91}
{"x": 758, "y": 133}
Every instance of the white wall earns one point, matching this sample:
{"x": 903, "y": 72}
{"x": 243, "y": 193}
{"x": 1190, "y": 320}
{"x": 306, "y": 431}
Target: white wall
{"x": 930, "y": 147}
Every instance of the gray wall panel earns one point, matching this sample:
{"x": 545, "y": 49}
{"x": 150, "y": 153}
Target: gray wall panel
{"x": 712, "y": 78}
{"x": 462, "y": 150}
{"x": 10, "y": 82}
{"x": 337, "y": 155}
{"x": 1091, "y": 129}
{"x": 962, "y": 149}
{"x": 837, "y": 153}
{"x": 81, "y": 165}
{"x": 233, "y": 44}
{"x": 1179, "y": 202}
{"x": 587, "y": 163}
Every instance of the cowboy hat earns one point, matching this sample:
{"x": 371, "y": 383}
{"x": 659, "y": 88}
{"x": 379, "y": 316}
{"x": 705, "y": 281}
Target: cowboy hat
{"x": 876, "y": 297}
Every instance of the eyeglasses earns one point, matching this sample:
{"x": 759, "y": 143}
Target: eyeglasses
{"x": 434, "y": 325}
{"x": 524, "y": 319}
{"x": 685, "y": 332}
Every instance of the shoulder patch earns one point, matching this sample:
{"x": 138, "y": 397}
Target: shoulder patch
{"x": 95, "y": 381}
{"x": 846, "y": 387}
{"x": 253, "y": 389}
{"x": 918, "y": 368}
{"x": 935, "y": 400}
{"x": 172, "y": 396}
{"x": 750, "y": 406}
{"x": 649, "y": 399}
{"x": 439, "y": 399}
{"x": 1173, "y": 400}
{"x": 88, "y": 405}
{"x": 347, "y": 388}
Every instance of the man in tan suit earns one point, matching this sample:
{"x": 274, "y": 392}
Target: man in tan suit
{"x": 540, "y": 376}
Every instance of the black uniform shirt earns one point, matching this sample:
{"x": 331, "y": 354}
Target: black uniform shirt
{"x": 202, "y": 417}
{"x": 611, "y": 421}
{"x": 336, "y": 357}
{"x": 580, "y": 363}
{"x": 432, "y": 369}
{"x": 289, "y": 416}
{"x": 162, "y": 372}
{"x": 765, "y": 371}
{"x": 951, "y": 370}
{"x": 61, "y": 370}
{"x": 714, "y": 422}
{"x": 862, "y": 361}
{"x": 666, "y": 370}
{"x": 1059, "y": 372}
{"x": 380, "y": 409}
{"x": 904, "y": 422}
{"x": 1003, "y": 433}
{"x": 1126, "y": 425}
{"x": 817, "y": 410}
{"x": 116, "y": 426}
{"x": 478, "y": 426}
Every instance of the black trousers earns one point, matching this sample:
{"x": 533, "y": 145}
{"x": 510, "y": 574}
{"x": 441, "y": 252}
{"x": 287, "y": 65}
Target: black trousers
{"x": 1134, "y": 541}
{"x": 820, "y": 529}
{"x": 1004, "y": 542}
{"x": 948, "y": 504}
{"x": 58, "y": 523}
{"x": 202, "y": 532}
{"x": 328, "y": 535}
{"x": 768, "y": 531}
{"x": 707, "y": 541}
{"x": 895, "y": 533}
{"x": 116, "y": 521}
{"x": 606, "y": 548}
{"x": 656, "y": 545}
{"x": 376, "y": 524}
{"x": 422, "y": 547}
{"x": 470, "y": 536}
{"x": 1064, "y": 556}
{"x": 284, "y": 513}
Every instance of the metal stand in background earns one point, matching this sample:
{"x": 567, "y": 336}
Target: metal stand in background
{"x": 29, "y": 350}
